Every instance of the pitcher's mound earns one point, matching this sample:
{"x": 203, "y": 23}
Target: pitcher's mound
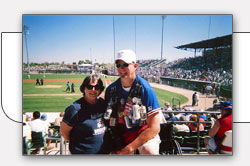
{"x": 49, "y": 86}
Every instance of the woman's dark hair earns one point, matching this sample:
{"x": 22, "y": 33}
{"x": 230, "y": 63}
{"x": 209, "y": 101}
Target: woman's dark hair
{"x": 87, "y": 80}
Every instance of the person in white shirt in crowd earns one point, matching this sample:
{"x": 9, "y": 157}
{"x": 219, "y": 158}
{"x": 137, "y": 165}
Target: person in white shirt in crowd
{"x": 167, "y": 107}
{"x": 26, "y": 127}
{"x": 38, "y": 125}
{"x": 181, "y": 127}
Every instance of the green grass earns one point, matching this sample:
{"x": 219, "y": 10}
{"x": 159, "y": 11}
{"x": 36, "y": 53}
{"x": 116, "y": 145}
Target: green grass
{"x": 47, "y": 104}
{"x": 31, "y": 88}
{"x": 167, "y": 96}
{"x": 59, "y": 103}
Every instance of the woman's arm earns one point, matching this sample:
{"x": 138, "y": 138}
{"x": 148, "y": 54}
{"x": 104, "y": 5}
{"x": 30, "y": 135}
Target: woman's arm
{"x": 213, "y": 131}
{"x": 65, "y": 130}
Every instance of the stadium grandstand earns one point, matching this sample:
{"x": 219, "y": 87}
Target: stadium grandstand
{"x": 216, "y": 54}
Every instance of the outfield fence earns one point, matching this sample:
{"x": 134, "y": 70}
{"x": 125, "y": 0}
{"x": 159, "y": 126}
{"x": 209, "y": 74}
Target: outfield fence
{"x": 195, "y": 85}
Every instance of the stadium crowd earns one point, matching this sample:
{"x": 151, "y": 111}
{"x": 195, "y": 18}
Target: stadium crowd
{"x": 187, "y": 68}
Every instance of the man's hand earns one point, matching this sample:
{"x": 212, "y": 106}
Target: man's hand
{"x": 127, "y": 150}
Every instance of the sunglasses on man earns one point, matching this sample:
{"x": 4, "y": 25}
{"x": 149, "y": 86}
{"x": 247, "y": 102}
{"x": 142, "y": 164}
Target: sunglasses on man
{"x": 118, "y": 65}
{"x": 90, "y": 87}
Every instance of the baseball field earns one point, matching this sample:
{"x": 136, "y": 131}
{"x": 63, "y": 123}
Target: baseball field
{"x": 52, "y": 95}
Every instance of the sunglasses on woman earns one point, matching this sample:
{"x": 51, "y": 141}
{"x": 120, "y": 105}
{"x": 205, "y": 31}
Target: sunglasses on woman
{"x": 90, "y": 87}
{"x": 118, "y": 65}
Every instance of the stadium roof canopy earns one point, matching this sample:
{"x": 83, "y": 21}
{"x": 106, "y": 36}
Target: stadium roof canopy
{"x": 211, "y": 43}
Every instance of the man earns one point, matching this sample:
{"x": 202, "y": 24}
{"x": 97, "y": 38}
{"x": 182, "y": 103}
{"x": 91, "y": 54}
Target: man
{"x": 58, "y": 120}
{"x": 68, "y": 87}
{"x": 37, "y": 125}
{"x": 132, "y": 93}
{"x": 72, "y": 88}
{"x": 182, "y": 127}
{"x": 195, "y": 99}
{"x": 37, "y": 81}
{"x": 166, "y": 109}
{"x": 41, "y": 81}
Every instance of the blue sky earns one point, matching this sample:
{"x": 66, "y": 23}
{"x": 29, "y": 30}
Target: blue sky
{"x": 70, "y": 38}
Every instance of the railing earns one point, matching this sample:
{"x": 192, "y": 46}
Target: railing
{"x": 178, "y": 100}
{"x": 198, "y": 122}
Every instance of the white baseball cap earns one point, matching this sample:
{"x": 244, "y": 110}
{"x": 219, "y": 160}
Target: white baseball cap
{"x": 128, "y": 56}
{"x": 166, "y": 103}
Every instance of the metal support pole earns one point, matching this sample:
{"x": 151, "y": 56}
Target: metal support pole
{"x": 198, "y": 133}
{"x": 27, "y": 51}
{"x": 114, "y": 39}
{"x": 135, "y": 34}
{"x": 162, "y": 36}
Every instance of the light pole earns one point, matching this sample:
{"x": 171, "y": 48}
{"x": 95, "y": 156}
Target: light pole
{"x": 135, "y": 34}
{"x": 26, "y": 32}
{"x": 90, "y": 53}
{"x": 162, "y": 30}
{"x": 114, "y": 40}
{"x": 209, "y": 25}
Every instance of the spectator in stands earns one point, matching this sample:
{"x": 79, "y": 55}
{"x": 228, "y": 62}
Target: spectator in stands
{"x": 188, "y": 115}
{"x": 44, "y": 118}
{"x": 174, "y": 108}
{"x": 193, "y": 126}
{"x": 37, "y": 125}
{"x": 202, "y": 115}
{"x": 26, "y": 137}
{"x": 82, "y": 123}
{"x": 209, "y": 89}
{"x": 181, "y": 127}
{"x": 214, "y": 118}
{"x": 50, "y": 131}
{"x": 217, "y": 132}
{"x": 176, "y": 116}
{"x": 166, "y": 109}
{"x": 217, "y": 91}
{"x": 58, "y": 120}
{"x": 26, "y": 131}
{"x": 26, "y": 118}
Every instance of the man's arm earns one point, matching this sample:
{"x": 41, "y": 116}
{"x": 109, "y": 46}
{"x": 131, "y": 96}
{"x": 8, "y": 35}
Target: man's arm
{"x": 153, "y": 129}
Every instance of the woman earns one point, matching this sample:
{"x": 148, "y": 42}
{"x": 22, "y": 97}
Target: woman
{"x": 221, "y": 126}
{"x": 193, "y": 126}
{"x": 82, "y": 123}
